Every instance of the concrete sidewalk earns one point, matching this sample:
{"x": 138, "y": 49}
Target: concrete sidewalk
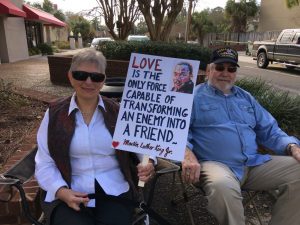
{"x": 31, "y": 77}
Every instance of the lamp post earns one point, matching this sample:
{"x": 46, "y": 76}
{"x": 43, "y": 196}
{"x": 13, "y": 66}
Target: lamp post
{"x": 79, "y": 40}
{"x": 72, "y": 40}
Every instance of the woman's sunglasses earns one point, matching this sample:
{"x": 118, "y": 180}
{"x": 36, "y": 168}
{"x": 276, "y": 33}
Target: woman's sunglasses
{"x": 221, "y": 67}
{"x": 82, "y": 76}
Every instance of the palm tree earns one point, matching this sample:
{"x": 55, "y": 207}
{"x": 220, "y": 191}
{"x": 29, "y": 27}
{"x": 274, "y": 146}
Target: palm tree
{"x": 239, "y": 13}
{"x": 201, "y": 25}
{"x": 292, "y": 3}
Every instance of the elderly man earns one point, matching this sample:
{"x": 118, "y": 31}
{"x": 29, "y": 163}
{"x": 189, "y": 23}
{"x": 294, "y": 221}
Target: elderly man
{"x": 227, "y": 126}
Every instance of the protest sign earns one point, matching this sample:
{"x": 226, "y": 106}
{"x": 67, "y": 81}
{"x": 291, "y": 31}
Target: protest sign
{"x": 156, "y": 105}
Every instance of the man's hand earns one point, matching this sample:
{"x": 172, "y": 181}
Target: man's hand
{"x": 145, "y": 172}
{"x": 190, "y": 167}
{"x": 72, "y": 198}
{"x": 295, "y": 150}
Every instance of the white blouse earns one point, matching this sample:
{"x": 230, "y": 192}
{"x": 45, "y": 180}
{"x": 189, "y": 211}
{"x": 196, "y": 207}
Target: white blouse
{"x": 91, "y": 154}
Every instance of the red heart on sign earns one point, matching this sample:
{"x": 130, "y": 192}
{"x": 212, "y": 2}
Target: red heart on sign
{"x": 115, "y": 144}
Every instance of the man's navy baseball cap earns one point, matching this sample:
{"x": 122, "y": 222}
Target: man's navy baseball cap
{"x": 225, "y": 55}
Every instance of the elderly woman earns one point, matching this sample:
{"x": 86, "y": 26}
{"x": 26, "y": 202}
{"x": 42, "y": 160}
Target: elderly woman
{"x": 75, "y": 157}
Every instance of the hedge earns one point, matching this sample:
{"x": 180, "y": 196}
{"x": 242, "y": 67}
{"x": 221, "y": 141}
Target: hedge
{"x": 284, "y": 107}
{"x": 121, "y": 50}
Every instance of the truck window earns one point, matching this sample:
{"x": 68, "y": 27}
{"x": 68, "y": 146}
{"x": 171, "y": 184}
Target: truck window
{"x": 286, "y": 38}
{"x": 296, "y": 39}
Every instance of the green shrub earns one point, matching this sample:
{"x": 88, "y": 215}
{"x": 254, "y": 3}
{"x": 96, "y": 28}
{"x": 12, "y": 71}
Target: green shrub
{"x": 62, "y": 44}
{"x": 45, "y": 49}
{"x": 121, "y": 50}
{"x": 284, "y": 107}
{"x": 34, "y": 51}
{"x": 55, "y": 49}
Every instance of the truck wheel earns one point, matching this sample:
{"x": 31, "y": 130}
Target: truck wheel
{"x": 262, "y": 60}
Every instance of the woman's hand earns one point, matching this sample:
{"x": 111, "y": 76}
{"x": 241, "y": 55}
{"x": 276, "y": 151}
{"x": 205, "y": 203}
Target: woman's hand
{"x": 190, "y": 167}
{"x": 145, "y": 172}
{"x": 72, "y": 198}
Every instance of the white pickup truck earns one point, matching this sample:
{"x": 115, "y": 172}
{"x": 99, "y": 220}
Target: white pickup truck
{"x": 286, "y": 50}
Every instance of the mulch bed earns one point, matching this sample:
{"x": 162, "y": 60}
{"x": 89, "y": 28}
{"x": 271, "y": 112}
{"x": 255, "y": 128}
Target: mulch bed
{"x": 19, "y": 115}
{"x": 177, "y": 214}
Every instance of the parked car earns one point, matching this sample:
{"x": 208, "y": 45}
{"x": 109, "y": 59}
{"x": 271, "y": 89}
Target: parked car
{"x": 286, "y": 50}
{"x": 193, "y": 42}
{"x": 138, "y": 38}
{"x": 97, "y": 41}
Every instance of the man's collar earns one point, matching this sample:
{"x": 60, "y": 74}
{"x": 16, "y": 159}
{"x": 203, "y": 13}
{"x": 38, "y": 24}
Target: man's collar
{"x": 73, "y": 105}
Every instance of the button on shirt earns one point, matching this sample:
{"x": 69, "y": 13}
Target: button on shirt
{"x": 228, "y": 129}
{"x": 91, "y": 154}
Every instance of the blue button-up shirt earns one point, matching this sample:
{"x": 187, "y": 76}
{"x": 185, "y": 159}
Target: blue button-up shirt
{"x": 229, "y": 128}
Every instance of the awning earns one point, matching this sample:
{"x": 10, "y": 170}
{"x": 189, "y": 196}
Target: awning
{"x": 6, "y": 7}
{"x": 39, "y": 15}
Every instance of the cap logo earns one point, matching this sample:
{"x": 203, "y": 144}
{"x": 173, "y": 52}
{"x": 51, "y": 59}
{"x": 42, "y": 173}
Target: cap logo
{"x": 225, "y": 55}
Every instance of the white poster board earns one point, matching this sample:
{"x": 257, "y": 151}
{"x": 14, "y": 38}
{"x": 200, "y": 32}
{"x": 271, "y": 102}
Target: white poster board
{"x": 156, "y": 106}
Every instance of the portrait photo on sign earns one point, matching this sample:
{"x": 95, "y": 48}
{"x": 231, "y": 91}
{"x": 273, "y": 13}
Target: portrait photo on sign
{"x": 182, "y": 78}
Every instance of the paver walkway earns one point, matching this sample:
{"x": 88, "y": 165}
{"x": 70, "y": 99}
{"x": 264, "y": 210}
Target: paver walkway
{"x": 33, "y": 74}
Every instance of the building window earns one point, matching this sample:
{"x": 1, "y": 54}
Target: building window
{"x": 33, "y": 33}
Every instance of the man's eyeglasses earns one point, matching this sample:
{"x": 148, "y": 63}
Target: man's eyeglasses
{"x": 82, "y": 76}
{"x": 221, "y": 67}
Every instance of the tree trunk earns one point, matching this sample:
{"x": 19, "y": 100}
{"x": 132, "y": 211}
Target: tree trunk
{"x": 188, "y": 22}
{"x": 126, "y": 14}
{"x": 155, "y": 15}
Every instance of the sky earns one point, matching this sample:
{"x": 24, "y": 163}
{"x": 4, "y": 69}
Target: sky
{"x": 79, "y": 5}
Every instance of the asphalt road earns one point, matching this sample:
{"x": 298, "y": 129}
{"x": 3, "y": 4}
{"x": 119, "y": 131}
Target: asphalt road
{"x": 275, "y": 74}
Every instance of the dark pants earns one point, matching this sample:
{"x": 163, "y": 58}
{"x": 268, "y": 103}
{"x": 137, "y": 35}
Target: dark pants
{"x": 105, "y": 213}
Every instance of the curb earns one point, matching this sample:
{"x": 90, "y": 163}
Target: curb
{"x": 36, "y": 95}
